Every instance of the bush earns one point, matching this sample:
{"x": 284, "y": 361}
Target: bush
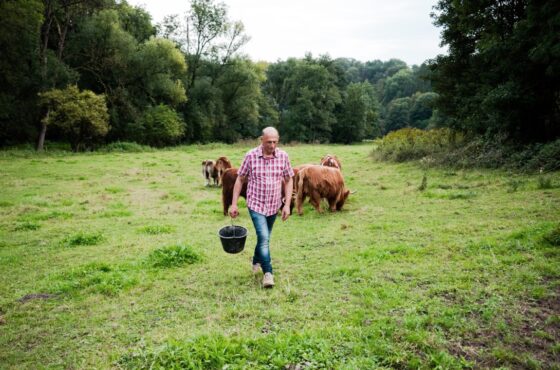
{"x": 412, "y": 143}
{"x": 160, "y": 126}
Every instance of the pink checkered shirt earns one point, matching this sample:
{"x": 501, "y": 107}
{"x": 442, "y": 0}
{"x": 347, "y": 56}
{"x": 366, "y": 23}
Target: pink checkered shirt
{"x": 264, "y": 187}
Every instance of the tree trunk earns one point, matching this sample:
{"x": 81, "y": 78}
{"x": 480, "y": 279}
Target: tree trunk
{"x": 41, "y": 141}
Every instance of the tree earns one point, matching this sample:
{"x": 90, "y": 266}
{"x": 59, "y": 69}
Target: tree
{"x": 421, "y": 109}
{"x": 81, "y": 115}
{"x": 358, "y": 114}
{"x": 160, "y": 126}
{"x": 503, "y": 71}
{"x": 59, "y": 16}
{"x": 20, "y": 24}
{"x": 400, "y": 85}
{"x": 398, "y": 114}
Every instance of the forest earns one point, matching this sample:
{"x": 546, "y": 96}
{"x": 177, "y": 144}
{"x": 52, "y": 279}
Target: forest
{"x": 92, "y": 72}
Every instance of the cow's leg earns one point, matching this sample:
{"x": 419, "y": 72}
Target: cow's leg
{"x": 332, "y": 204}
{"x": 315, "y": 199}
{"x": 300, "y": 198}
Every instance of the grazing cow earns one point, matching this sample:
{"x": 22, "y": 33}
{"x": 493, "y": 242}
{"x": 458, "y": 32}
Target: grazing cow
{"x": 221, "y": 165}
{"x": 331, "y": 161}
{"x": 228, "y": 182}
{"x": 319, "y": 182}
{"x": 208, "y": 172}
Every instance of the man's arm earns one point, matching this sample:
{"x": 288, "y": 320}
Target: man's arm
{"x": 233, "y": 211}
{"x": 288, "y": 189}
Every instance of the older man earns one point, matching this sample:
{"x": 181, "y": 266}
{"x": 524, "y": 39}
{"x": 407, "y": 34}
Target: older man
{"x": 267, "y": 169}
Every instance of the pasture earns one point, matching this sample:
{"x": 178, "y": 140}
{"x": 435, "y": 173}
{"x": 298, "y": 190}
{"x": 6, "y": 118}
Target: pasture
{"x": 112, "y": 260}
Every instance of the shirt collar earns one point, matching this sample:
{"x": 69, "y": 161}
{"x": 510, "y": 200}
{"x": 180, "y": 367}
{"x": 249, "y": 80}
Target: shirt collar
{"x": 261, "y": 154}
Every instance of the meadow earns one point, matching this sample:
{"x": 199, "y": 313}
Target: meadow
{"x": 112, "y": 260}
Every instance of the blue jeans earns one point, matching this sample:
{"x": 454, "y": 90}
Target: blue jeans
{"x": 263, "y": 226}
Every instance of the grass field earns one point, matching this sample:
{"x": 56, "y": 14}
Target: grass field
{"x": 113, "y": 261}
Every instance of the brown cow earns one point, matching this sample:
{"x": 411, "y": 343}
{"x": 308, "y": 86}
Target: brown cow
{"x": 319, "y": 182}
{"x": 228, "y": 182}
{"x": 208, "y": 172}
{"x": 221, "y": 165}
{"x": 331, "y": 160}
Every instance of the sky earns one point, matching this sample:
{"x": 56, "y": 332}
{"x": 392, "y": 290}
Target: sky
{"x": 360, "y": 29}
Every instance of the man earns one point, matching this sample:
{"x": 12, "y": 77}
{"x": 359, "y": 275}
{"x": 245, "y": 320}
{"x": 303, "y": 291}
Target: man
{"x": 267, "y": 169}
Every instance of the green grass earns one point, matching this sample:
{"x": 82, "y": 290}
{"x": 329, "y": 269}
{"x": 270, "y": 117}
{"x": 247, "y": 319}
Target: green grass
{"x": 120, "y": 261}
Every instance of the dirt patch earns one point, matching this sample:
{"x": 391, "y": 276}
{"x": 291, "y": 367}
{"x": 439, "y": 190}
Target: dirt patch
{"x": 532, "y": 337}
{"x": 29, "y": 297}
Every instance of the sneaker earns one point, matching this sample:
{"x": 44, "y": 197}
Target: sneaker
{"x": 268, "y": 280}
{"x": 256, "y": 268}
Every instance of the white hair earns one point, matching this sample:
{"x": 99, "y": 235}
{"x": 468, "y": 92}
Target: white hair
{"x": 270, "y": 131}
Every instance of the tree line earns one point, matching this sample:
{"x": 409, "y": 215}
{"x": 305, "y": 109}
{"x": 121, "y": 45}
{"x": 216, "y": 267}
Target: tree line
{"x": 96, "y": 71}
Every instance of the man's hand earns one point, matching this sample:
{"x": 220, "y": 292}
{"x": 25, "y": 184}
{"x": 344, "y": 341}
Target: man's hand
{"x": 233, "y": 211}
{"x": 285, "y": 212}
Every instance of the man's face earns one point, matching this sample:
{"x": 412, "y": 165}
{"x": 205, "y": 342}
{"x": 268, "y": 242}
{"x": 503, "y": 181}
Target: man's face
{"x": 269, "y": 143}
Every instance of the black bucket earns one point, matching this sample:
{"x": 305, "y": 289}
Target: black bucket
{"x": 233, "y": 238}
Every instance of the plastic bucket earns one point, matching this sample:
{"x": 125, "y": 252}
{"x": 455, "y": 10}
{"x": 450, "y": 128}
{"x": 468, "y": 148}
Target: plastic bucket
{"x": 233, "y": 238}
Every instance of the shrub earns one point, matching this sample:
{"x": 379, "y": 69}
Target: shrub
{"x": 160, "y": 126}
{"x": 173, "y": 256}
{"x": 412, "y": 143}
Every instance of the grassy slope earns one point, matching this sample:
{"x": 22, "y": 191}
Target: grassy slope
{"x": 457, "y": 275}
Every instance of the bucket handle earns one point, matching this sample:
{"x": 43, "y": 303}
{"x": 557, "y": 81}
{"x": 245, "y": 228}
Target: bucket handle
{"x": 231, "y": 218}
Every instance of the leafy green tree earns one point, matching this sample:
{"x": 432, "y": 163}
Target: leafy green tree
{"x": 421, "y": 109}
{"x": 400, "y": 85}
{"x": 312, "y": 98}
{"x": 160, "y": 126}
{"x": 136, "y": 21}
{"x": 398, "y": 114}
{"x": 59, "y": 17}
{"x": 502, "y": 73}
{"x": 20, "y": 23}
{"x": 358, "y": 114}
{"x": 81, "y": 115}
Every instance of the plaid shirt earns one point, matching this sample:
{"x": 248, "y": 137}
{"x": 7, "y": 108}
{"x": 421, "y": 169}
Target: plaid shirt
{"x": 264, "y": 187}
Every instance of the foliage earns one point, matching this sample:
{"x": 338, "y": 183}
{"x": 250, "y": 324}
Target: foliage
{"x": 160, "y": 126}
{"x": 411, "y": 143}
{"x": 81, "y": 115}
{"x": 173, "y": 256}
{"x": 20, "y": 23}
{"x": 502, "y": 71}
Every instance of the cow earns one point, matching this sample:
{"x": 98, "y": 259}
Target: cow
{"x": 228, "y": 182}
{"x": 319, "y": 182}
{"x": 331, "y": 160}
{"x": 208, "y": 172}
{"x": 221, "y": 165}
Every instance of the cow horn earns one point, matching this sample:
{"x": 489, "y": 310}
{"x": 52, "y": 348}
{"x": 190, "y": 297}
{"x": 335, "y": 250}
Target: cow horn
{"x": 353, "y": 191}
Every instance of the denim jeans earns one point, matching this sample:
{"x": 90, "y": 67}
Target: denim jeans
{"x": 263, "y": 226}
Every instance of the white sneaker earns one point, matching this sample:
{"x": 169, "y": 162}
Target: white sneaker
{"x": 256, "y": 268}
{"x": 268, "y": 280}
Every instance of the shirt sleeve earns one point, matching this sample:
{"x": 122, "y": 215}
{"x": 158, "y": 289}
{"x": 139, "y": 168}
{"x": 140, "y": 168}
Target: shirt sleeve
{"x": 288, "y": 171}
{"x": 245, "y": 168}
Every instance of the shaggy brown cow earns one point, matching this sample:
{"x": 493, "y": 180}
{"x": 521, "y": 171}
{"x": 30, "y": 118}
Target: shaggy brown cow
{"x": 228, "y": 182}
{"x": 221, "y": 165}
{"x": 208, "y": 172}
{"x": 331, "y": 161}
{"x": 319, "y": 182}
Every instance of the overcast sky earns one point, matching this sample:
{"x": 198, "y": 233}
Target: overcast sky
{"x": 360, "y": 29}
